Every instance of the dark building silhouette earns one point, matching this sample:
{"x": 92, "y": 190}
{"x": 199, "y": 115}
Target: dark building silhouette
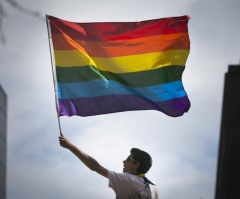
{"x": 228, "y": 171}
{"x": 3, "y": 142}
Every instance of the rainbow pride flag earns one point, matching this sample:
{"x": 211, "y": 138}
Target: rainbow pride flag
{"x": 107, "y": 67}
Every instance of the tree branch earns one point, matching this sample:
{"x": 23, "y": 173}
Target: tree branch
{"x": 21, "y": 9}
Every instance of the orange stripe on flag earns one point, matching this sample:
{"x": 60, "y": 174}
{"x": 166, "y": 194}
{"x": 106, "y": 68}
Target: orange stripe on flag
{"x": 124, "y": 47}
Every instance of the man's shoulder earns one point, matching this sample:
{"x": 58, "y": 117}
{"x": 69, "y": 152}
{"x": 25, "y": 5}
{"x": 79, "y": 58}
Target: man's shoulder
{"x": 124, "y": 177}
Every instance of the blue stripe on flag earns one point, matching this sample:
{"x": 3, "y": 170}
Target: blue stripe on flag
{"x": 102, "y": 87}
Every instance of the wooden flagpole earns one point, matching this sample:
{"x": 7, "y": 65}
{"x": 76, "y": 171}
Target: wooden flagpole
{"x": 53, "y": 74}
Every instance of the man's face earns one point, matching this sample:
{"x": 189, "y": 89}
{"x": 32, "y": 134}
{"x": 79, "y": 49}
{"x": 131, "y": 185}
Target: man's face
{"x": 130, "y": 165}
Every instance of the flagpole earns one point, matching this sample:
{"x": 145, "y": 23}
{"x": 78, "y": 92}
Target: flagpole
{"x": 54, "y": 81}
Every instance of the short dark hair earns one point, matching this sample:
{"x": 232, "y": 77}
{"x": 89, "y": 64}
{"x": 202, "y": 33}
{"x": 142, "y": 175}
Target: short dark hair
{"x": 143, "y": 158}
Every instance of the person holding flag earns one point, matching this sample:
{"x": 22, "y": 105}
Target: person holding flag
{"x": 132, "y": 183}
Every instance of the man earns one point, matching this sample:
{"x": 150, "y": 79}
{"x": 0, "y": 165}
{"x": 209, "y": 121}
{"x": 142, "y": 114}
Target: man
{"x": 132, "y": 183}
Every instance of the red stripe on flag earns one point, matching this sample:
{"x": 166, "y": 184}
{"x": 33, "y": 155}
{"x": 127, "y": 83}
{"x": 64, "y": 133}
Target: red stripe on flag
{"x": 113, "y": 31}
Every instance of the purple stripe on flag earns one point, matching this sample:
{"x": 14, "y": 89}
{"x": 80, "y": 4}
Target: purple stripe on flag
{"x": 119, "y": 103}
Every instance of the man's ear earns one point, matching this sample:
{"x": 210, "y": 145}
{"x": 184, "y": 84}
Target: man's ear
{"x": 136, "y": 164}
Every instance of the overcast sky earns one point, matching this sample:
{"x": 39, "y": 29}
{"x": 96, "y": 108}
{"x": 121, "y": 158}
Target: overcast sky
{"x": 184, "y": 149}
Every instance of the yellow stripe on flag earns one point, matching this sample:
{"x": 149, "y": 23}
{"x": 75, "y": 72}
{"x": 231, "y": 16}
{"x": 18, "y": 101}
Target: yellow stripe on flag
{"x": 124, "y": 64}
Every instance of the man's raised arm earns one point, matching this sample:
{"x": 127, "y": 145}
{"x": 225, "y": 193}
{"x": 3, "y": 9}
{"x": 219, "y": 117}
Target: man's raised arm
{"x": 90, "y": 162}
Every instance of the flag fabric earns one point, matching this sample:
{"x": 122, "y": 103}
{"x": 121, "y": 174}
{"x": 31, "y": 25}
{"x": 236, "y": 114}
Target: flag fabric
{"x": 107, "y": 67}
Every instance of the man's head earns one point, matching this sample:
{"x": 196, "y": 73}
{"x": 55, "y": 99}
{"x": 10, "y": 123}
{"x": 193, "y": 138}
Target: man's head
{"x": 139, "y": 162}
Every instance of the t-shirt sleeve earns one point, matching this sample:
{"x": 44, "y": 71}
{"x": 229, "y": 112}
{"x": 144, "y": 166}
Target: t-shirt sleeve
{"x": 123, "y": 181}
{"x": 116, "y": 180}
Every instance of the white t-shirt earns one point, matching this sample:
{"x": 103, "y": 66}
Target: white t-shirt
{"x": 127, "y": 186}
